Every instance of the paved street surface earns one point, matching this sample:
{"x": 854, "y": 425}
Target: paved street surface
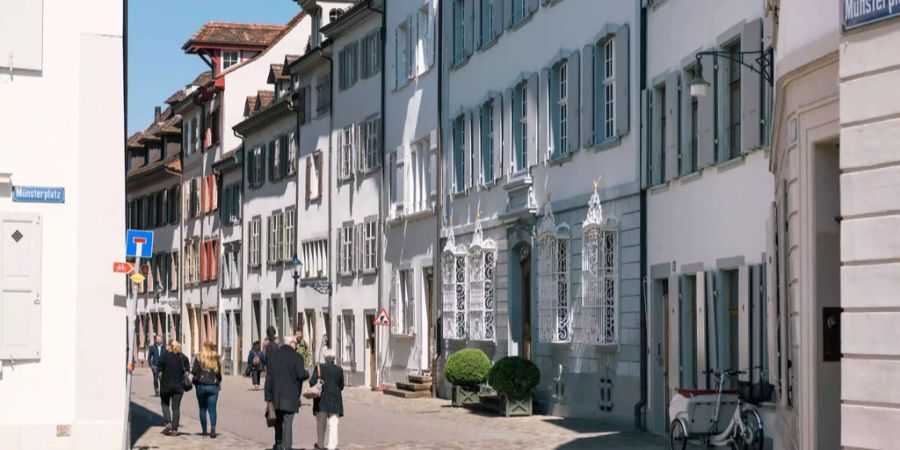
{"x": 372, "y": 420}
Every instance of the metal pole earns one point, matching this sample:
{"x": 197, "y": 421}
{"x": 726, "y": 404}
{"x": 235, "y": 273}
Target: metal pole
{"x": 129, "y": 355}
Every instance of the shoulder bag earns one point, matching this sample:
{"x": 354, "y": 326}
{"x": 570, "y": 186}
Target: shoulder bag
{"x": 186, "y": 382}
{"x": 315, "y": 391}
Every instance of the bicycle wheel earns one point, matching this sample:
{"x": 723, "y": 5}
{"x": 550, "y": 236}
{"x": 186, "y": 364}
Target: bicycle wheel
{"x": 754, "y": 437}
{"x": 678, "y": 435}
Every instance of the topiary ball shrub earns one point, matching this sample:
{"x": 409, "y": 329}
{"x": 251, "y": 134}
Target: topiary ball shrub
{"x": 514, "y": 376}
{"x": 468, "y": 367}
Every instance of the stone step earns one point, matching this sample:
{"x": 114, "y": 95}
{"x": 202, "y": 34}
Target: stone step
{"x": 407, "y": 394}
{"x": 423, "y": 379}
{"x": 413, "y": 386}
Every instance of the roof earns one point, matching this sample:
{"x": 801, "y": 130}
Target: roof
{"x": 264, "y": 99}
{"x": 276, "y": 73}
{"x": 214, "y": 34}
{"x": 288, "y": 59}
{"x": 249, "y": 105}
{"x": 360, "y": 10}
{"x": 176, "y": 97}
{"x": 173, "y": 162}
{"x": 203, "y": 79}
{"x": 134, "y": 141}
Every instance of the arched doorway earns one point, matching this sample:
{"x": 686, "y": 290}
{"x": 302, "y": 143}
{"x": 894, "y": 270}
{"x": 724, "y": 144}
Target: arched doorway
{"x": 520, "y": 298}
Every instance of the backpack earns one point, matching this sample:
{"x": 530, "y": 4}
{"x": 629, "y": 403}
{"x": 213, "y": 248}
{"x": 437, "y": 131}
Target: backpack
{"x": 256, "y": 361}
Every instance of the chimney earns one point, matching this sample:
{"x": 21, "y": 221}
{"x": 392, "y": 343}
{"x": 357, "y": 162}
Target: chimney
{"x": 157, "y": 112}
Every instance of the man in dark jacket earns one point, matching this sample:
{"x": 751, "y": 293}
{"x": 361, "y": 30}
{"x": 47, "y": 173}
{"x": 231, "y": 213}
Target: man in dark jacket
{"x": 154, "y": 355}
{"x": 284, "y": 378}
{"x": 270, "y": 347}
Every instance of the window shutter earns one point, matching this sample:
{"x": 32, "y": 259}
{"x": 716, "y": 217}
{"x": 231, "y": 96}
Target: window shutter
{"x": 623, "y": 80}
{"x": 338, "y": 250}
{"x": 360, "y": 246}
{"x": 395, "y": 287}
{"x": 744, "y": 325}
{"x": 685, "y": 153}
{"x": 586, "y": 96}
{"x": 497, "y": 111}
{"x": 398, "y": 50}
{"x": 469, "y": 25}
{"x": 214, "y": 191}
{"x": 532, "y": 104}
{"x": 573, "y": 86}
{"x": 475, "y": 159}
{"x": 485, "y": 143}
{"x": 270, "y": 150}
{"x": 203, "y": 261}
{"x": 400, "y": 156}
{"x": 203, "y": 186}
{"x": 20, "y": 286}
{"x": 770, "y": 297}
{"x": 671, "y": 112}
{"x": 214, "y": 259}
{"x": 340, "y": 155}
{"x": 706, "y": 114}
{"x": 548, "y": 130}
{"x": 508, "y": 148}
{"x": 673, "y": 339}
{"x": 432, "y": 168}
{"x": 751, "y": 88}
{"x": 508, "y": 13}
{"x": 308, "y": 177}
{"x": 468, "y": 149}
{"x": 497, "y": 26}
{"x": 429, "y": 38}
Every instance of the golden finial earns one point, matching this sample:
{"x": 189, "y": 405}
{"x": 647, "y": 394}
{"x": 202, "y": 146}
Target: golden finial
{"x": 549, "y": 197}
{"x": 597, "y": 183}
{"x": 478, "y": 215}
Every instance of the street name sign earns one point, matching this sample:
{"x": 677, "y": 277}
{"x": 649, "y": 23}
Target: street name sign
{"x": 139, "y": 243}
{"x": 123, "y": 267}
{"x": 38, "y": 194}
{"x": 857, "y": 13}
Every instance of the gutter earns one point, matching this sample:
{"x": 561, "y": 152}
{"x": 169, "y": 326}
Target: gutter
{"x": 439, "y": 189}
{"x": 331, "y": 183}
{"x": 641, "y": 405}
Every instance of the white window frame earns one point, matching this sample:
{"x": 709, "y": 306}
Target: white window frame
{"x": 346, "y": 141}
{"x": 554, "y": 280}
{"x": 521, "y": 153}
{"x": 419, "y": 175}
{"x": 480, "y": 271}
{"x": 609, "y": 88}
{"x": 292, "y": 153}
{"x": 598, "y": 319}
{"x": 289, "y": 249}
{"x": 347, "y": 249}
{"x": 255, "y": 241}
{"x": 348, "y": 338}
{"x": 487, "y": 141}
{"x": 453, "y": 291}
{"x": 405, "y": 314}
{"x": 369, "y": 254}
{"x": 225, "y": 60}
{"x": 368, "y": 145}
{"x": 562, "y": 105}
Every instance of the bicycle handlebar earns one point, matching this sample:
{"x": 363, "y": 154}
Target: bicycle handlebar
{"x": 719, "y": 374}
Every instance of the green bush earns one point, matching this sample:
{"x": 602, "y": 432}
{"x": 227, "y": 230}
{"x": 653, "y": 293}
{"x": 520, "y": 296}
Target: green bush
{"x": 468, "y": 367}
{"x": 514, "y": 376}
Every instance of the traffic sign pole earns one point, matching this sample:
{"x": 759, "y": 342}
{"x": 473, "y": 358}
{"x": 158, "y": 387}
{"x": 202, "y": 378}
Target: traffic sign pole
{"x": 132, "y": 316}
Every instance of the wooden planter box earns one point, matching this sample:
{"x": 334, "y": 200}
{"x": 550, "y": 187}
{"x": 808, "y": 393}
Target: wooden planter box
{"x": 464, "y": 396}
{"x": 515, "y": 406}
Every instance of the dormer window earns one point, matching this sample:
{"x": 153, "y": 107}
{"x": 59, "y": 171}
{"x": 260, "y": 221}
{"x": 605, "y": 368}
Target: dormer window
{"x": 229, "y": 59}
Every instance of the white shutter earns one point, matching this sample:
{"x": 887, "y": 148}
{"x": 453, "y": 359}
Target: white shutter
{"x": 399, "y": 159}
{"x": 508, "y": 148}
{"x": 751, "y": 85}
{"x": 705, "y": 113}
{"x": 532, "y": 104}
{"x": 20, "y": 286}
{"x": 432, "y": 167}
{"x": 586, "y": 94}
{"x": 573, "y": 73}
{"x": 497, "y": 111}
{"x": 358, "y": 243}
{"x": 392, "y": 307}
{"x": 339, "y": 251}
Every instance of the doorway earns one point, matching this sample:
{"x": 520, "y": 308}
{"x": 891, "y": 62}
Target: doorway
{"x": 429, "y": 315}
{"x": 659, "y": 356}
{"x": 520, "y": 285}
{"x": 370, "y": 348}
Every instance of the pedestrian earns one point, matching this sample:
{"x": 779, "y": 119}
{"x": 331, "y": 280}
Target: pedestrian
{"x": 271, "y": 344}
{"x": 255, "y": 361}
{"x": 284, "y": 379}
{"x": 173, "y": 366}
{"x": 207, "y": 372}
{"x": 303, "y": 348}
{"x": 329, "y": 407}
{"x": 154, "y": 354}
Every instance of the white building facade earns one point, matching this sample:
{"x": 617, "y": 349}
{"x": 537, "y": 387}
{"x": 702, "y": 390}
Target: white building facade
{"x": 542, "y": 204}
{"x": 62, "y": 323}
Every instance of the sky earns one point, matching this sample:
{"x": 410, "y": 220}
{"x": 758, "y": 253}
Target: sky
{"x": 157, "y": 67}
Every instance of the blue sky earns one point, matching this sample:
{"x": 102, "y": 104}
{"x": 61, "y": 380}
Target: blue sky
{"x": 157, "y": 29}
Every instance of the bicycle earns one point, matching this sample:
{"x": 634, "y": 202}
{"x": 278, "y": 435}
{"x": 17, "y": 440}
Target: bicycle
{"x": 697, "y": 415}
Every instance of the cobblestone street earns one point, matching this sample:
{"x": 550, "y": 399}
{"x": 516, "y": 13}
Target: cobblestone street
{"x": 372, "y": 421}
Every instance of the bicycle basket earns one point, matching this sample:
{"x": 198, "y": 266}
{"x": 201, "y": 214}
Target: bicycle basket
{"x": 755, "y": 393}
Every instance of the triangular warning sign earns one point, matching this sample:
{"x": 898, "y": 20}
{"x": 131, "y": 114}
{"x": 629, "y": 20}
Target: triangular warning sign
{"x": 382, "y": 319}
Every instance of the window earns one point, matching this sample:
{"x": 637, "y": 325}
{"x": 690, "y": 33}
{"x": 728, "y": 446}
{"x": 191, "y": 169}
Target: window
{"x": 290, "y": 144}
{"x": 459, "y": 31}
{"x": 314, "y": 177}
{"x": 346, "y": 142}
{"x": 559, "y": 98}
{"x": 695, "y": 135}
{"x": 371, "y": 55}
{"x": 658, "y": 136}
{"x": 254, "y": 236}
{"x": 421, "y": 176}
{"x": 480, "y": 266}
{"x": 348, "y": 67}
{"x": 276, "y": 239}
{"x": 733, "y": 116}
{"x": 453, "y": 291}
{"x": 289, "y": 249}
{"x": 487, "y": 21}
{"x": 425, "y": 39}
{"x": 597, "y": 322}
{"x": 256, "y": 167}
{"x": 230, "y": 212}
{"x": 274, "y": 158}
{"x": 229, "y": 59}
{"x": 609, "y": 89}
{"x": 174, "y": 197}
{"x": 195, "y": 140}
{"x": 459, "y": 155}
{"x": 348, "y": 352}
{"x": 369, "y": 253}
{"x": 345, "y": 236}
{"x": 174, "y": 266}
{"x": 323, "y": 94}
{"x": 369, "y": 156}
{"x": 487, "y": 142}
{"x": 403, "y": 54}
{"x": 315, "y": 258}
{"x": 231, "y": 266}
{"x": 553, "y": 281}
{"x": 404, "y": 303}
{"x": 520, "y": 127}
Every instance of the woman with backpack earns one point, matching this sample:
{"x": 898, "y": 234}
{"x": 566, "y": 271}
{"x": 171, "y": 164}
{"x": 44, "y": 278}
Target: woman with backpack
{"x": 207, "y": 372}
{"x": 328, "y": 406}
{"x": 172, "y": 368}
{"x": 256, "y": 359}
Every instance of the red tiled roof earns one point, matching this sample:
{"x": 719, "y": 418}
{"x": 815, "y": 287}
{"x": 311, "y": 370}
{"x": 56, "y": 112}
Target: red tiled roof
{"x": 276, "y": 73}
{"x": 134, "y": 141}
{"x": 264, "y": 99}
{"x": 237, "y": 34}
{"x": 288, "y": 59}
{"x": 203, "y": 79}
{"x": 249, "y": 105}
{"x": 176, "y": 97}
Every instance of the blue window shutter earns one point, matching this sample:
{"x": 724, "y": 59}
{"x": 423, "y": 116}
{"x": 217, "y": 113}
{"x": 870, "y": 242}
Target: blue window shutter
{"x": 671, "y": 112}
{"x": 586, "y": 96}
{"x": 508, "y": 134}
{"x": 573, "y": 87}
{"x": 516, "y": 136}
{"x": 532, "y": 104}
{"x": 487, "y": 156}
{"x": 623, "y": 80}
{"x": 469, "y": 20}
{"x": 497, "y": 111}
{"x": 686, "y": 335}
{"x": 550, "y": 91}
{"x": 484, "y": 23}
{"x": 469, "y": 140}
{"x": 705, "y": 113}
{"x": 751, "y": 87}
{"x": 499, "y": 11}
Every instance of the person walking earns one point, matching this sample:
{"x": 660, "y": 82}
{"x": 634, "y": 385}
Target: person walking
{"x": 285, "y": 374}
{"x": 173, "y": 366}
{"x": 207, "y": 372}
{"x": 256, "y": 359}
{"x": 303, "y": 348}
{"x": 329, "y": 407}
{"x": 271, "y": 345}
{"x": 154, "y": 354}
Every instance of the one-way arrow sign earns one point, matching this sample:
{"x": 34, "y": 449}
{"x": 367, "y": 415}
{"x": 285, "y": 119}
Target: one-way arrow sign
{"x": 123, "y": 267}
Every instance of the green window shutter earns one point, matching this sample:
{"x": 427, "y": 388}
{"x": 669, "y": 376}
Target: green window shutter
{"x": 656, "y": 171}
{"x": 487, "y": 155}
{"x": 550, "y": 91}
{"x": 532, "y": 105}
{"x": 508, "y": 133}
{"x": 586, "y": 96}
{"x": 469, "y": 24}
{"x": 706, "y": 116}
{"x": 671, "y": 112}
{"x": 751, "y": 88}
{"x": 685, "y": 154}
{"x": 573, "y": 94}
{"x": 686, "y": 315}
{"x": 516, "y": 136}
{"x": 469, "y": 153}
{"x": 622, "y": 67}
{"x": 499, "y": 10}
{"x": 497, "y": 111}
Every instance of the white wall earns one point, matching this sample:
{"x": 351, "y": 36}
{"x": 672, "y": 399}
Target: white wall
{"x": 83, "y": 315}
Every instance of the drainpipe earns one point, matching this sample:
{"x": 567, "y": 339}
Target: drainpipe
{"x": 292, "y": 106}
{"x": 180, "y": 177}
{"x": 439, "y": 189}
{"x": 642, "y": 403}
{"x": 238, "y": 358}
{"x": 380, "y": 275}
{"x": 331, "y": 183}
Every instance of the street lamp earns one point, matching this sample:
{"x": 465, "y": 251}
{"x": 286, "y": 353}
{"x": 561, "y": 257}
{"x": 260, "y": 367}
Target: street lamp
{"x": 762, "y": 65}
{"x": 321, "y": 286}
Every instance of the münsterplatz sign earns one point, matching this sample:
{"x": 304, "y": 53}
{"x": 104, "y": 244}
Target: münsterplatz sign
{"x": 863, "y": 12}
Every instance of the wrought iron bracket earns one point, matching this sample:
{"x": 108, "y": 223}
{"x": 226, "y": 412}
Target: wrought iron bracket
{"x": 761, "y": 62}
{"x": 322, "y": 287}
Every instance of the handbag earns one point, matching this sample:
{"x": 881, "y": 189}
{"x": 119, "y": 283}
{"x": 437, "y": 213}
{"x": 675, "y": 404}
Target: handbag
{"x": 270, "y": 414}
{"x": 315, "y": 391}
{"x": 186, "y": 382}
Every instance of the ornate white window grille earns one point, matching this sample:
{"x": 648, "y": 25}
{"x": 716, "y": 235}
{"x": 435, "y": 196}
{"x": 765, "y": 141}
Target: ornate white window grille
{"x": 453, "y": 281}
{"x": 597, "y": 322}
{"x": 481, "y": 263}
{"x": 555, "y": 310}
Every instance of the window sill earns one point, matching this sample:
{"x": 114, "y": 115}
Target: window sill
{"x": 457, "y": 195}
{"x": 550, "y": 2}
{"x": 606, "y": 348}
{"x": 345, "y": 275}
{"x": 408, "y": 336}
{"x": 411, "y": 217}
{"x": 521, "y": 23}
{"x": 606, "y": 144}
{"x": 518, "y": 180}
{"x": 659, "y": 188}
{"x": 368, "y": 272}
{"x": 399, "y": 87}
{"x": 696, "y": 175}
{"x": 559, "y": 160}
{"x": 459, "y": 64}
{"x": 487, "y": 45}
{"x": 731, "y": 163}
